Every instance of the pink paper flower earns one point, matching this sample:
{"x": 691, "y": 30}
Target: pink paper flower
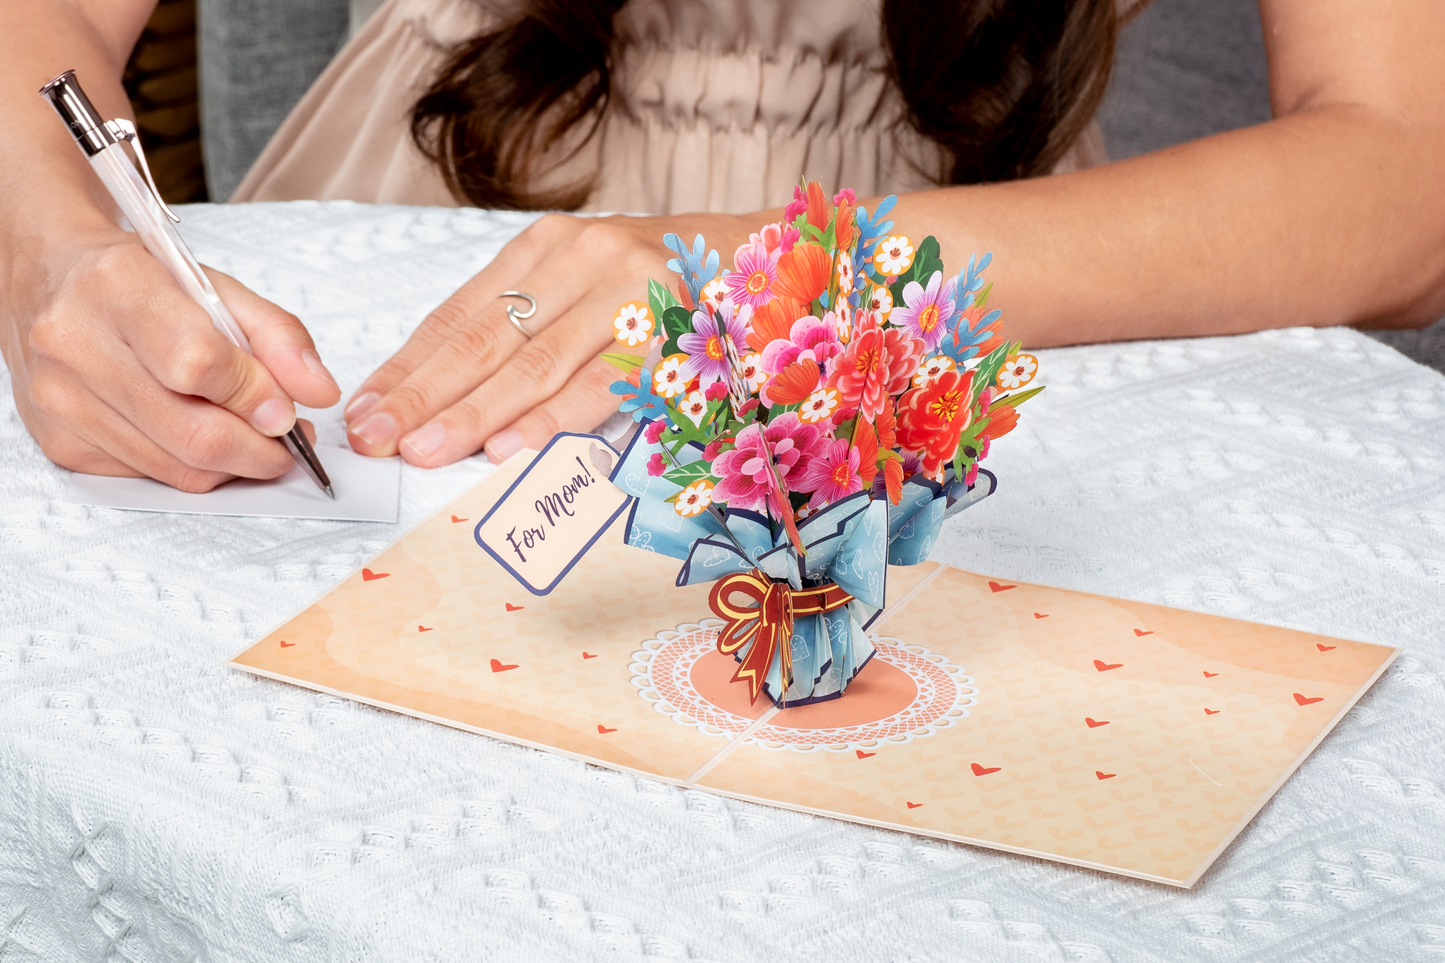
{"x": 716, "y": 390}
{"x": 810, "y": 337}
{"x": 653, "y": 431}
{"x": 846, "y": 194}
{"x": 832, "y": 474}
{"x": 928, "y": 310}
{"x": 747, "y": 483}
{"x": 655, "y": 465}
{"x": 798, "y": 205}
{"x": 756, "y": 273}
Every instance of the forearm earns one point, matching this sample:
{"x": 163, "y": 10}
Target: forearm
{"x": 45, "y": 179}
{"x": 1331, "y": 216}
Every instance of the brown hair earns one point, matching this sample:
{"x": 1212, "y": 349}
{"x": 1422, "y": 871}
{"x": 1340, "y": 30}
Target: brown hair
{"x": 1005, "y": 85}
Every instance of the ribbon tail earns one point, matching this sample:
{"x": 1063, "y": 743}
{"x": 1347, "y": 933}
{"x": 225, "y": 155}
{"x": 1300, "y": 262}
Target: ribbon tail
{"x": 754, "y": 668}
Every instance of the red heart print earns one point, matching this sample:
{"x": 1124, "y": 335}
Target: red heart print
{"x": 1105, "y": 775}
{"x": 455, "y": 519}
{"x": 913, "y": 805}
{"x": 1094, "y": 723}
{"x": 603, "y": 730}
{"x": 367, "y": 575}
{"x": 499, "y": 666}
{"x": 980, "y": 771}
{"x": 1212, "y": 712}
{"x": 1141, "y": 633}
{"x": 1000, "y": 588}
{"x": 588, "y": 655}
{"x": 514, "y": 608}
{"x": 1302, "y": 700}
{"x": 1209, "y": 675}
{"x": 1041, "y": 615}
{"x": 1325, "y": 648}
{"x": 424, "y": 628}
{"x": 286, "y": 645}
{"x": 865, "y": 755}
{"x": 1105, "y": 666}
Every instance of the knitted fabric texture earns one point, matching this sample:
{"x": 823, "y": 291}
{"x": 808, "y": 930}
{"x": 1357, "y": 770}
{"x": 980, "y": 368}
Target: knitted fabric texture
{"x": 156, "y": 805}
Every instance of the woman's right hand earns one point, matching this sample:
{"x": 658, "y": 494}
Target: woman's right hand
{"x": 116, "y": 371}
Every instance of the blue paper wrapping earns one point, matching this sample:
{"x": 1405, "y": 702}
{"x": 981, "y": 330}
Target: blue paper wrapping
{"x": 850, "y": 543}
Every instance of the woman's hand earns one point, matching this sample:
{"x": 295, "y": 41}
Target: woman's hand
{"x": 117, "y": 372}
{"x": 468, "y": 379}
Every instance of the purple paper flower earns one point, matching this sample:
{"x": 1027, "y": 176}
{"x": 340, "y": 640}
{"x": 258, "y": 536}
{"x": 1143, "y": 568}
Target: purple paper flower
{"x": 707, "y": 356}
{"x": 928, "y": 310}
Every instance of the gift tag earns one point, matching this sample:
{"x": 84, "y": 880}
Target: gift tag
{"x": 555, "y": 511}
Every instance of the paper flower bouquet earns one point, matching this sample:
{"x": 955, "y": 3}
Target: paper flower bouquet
{"x": 807, "y": 419}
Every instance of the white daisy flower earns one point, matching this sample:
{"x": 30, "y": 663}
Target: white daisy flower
{"x": 894, "y": 256}
{"x": 752, "y": 373}
{"x": 693, "y": 499}
{"x": 845, "y": 273}
{"x": 695, "y": 407}
{"x": 669, "y": 380}
{"x": 931, "y": 368}
{"x": 820, "y": 404}
{"x": 880, "y": 302}
{"x": 633, "y": 323}
{"x": 843, "y": 314}
{"x": 1017, "y": 371}
{"x": 715, "y": 292}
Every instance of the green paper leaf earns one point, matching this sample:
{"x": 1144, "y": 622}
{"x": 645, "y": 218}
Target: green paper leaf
{"x": 1020, "y": 398}
{"x": 659, "y": 298}
{"x": 676, "y": 321}
{"x": 627, "y": 362}
{"x": 684, "y": 475}
{"x": 987, "y": 371}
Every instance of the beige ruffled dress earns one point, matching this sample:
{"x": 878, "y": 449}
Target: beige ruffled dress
{"x": 718, "y": 105}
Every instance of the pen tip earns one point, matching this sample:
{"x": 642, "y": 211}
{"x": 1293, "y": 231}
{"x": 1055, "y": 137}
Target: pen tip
{"x": 330, "y": 492}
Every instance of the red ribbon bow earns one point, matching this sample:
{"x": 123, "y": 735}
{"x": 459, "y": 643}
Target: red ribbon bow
{"x": 766, "y": 624}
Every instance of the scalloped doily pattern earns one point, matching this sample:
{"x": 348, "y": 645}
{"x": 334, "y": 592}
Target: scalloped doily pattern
{"x": 669, "y": 668}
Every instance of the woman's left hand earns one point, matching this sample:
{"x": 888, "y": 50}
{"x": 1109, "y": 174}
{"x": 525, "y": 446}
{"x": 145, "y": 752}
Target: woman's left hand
{"x": 468, "y": 379}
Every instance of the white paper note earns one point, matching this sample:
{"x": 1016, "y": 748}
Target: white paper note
{"x": 366, "y": 491}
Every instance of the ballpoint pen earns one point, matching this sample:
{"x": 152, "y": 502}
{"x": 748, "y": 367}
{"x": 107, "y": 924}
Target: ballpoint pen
{"x": 147, "y": 214}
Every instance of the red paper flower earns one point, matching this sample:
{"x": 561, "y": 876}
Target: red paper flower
{"x": 931, "y": 418}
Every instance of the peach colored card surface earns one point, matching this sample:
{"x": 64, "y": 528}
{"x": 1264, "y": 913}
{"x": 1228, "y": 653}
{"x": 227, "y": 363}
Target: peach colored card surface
{"x": 1113, "y": 735}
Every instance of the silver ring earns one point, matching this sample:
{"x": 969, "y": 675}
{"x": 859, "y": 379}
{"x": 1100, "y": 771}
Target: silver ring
{"x": 515, "y": 316}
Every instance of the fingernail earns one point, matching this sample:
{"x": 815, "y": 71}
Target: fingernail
{"x": 376, "y": 430}
{"x": 273, "y": 417}
{"x": 426, "y": 439}
{"x": 503, "y": 445}
{"x": 312, "y": 360}
{"x": 361, "y": 404}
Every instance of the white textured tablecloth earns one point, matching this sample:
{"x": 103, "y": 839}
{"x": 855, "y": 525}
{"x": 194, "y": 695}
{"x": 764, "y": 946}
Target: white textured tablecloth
{"x": 156, "y": 805}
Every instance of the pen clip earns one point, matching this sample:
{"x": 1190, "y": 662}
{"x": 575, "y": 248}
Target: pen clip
{"x": 124, "y": 130}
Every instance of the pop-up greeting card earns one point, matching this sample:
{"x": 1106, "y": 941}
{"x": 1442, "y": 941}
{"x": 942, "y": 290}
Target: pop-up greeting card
{"x": 1109, "y": 734}
{"x": 810, "y": 418}
{"x": 804, "y": 425}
